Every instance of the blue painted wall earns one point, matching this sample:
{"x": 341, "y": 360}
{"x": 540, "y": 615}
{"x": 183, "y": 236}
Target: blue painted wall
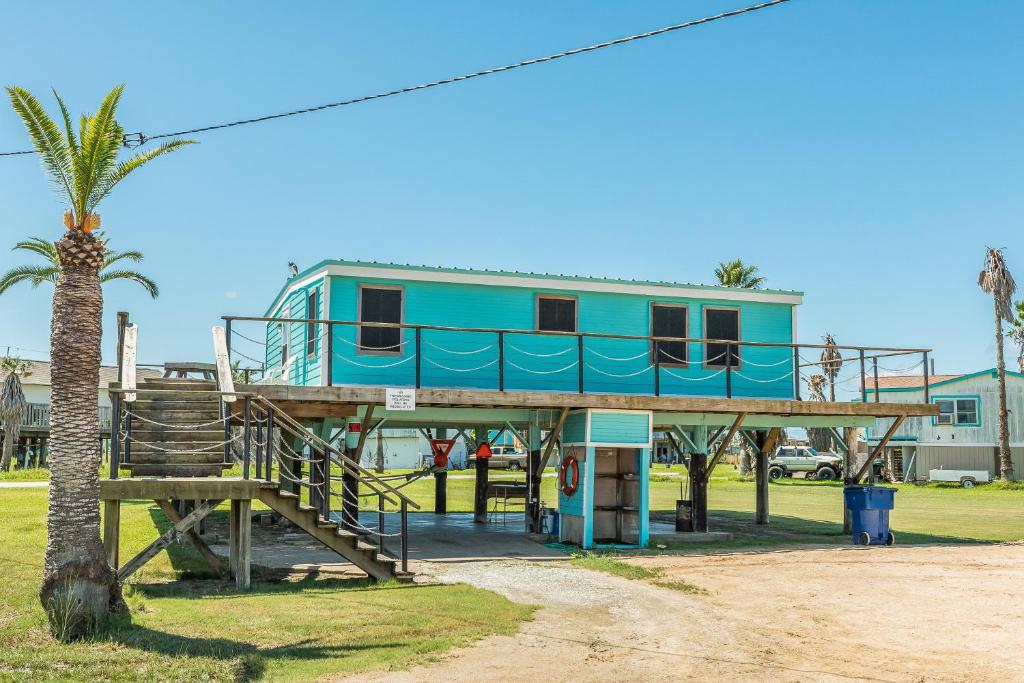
{"x": 304, "y": 369}
{"x": 549, "y": 362}
{"x": 620, "y": 428}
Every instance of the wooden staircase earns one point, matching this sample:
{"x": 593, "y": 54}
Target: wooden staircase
{"x": 163, "y": 442}
{"x": 174, "y": 429}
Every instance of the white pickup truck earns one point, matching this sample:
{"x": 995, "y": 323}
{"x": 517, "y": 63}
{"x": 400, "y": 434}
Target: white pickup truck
{"x": 966, "y": 478}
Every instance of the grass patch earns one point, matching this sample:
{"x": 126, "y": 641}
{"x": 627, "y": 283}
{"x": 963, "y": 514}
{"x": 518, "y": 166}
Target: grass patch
{"x": 186, "y": 629}
{"x": 681, "y": 586}
{"x": 609, "y": 564}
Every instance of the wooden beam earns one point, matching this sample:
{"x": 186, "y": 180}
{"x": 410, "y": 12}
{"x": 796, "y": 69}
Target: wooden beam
{"x": 676, "y": 446}
{"x": 839, "y": 439}
{"x": 684, "y": 436}
{"x": 725, "y": 443}
{"x": 243, "y": 545}
{"x": 555, "y": 434}
{"x": 111, "y": 530}
{"x": 749, "y": 439}
{"x": 773, "y": 437}
{"x": 198, "y": 543}
{"x": 866, "y": 467}
{"x": 364, "y": 431}
{"x": 518, "y": 435}
{"x": 165, "y": 539}
{"x": 715, "y": 434}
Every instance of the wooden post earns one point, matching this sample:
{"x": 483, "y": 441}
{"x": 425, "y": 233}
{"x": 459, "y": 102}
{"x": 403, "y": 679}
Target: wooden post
{"x": 850, "y": 465}
{"x": 761, "y": 474}
{"x": 244, "y": 551}
{"x": 441, "y": 483}
{"x": 699, "y": 491}
{"x": 480, "y": 493}
{"x": 233, "y": 538}
{"x": 111, "y": 530}
{"x": 534, "y": 477}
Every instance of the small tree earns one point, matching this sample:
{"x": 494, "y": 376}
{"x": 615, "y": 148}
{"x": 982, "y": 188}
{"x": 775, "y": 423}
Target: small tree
{"x": 736, "y": 274}
{"x": 12, "y": 405}
{"x": 995, "y": 279}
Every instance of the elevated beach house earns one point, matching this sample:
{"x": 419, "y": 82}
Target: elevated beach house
{"x": 965, "y": 433}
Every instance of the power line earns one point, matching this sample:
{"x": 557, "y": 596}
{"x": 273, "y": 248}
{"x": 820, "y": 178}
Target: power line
{"x": 137, "y": 139}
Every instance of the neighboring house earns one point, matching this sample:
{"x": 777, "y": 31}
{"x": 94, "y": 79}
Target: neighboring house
{"x": 965, "y": 435}
{"x": 35, "y": 429}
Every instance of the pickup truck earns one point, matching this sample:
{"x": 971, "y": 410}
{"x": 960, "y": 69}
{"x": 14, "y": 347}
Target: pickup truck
{"x": 503, "y": 458}
{"x": 790, "y": 459}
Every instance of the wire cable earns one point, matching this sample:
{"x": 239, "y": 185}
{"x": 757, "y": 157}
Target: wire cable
{"x": 137, "y": 139}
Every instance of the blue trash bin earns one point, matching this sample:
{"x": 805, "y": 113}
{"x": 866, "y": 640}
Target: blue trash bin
{"x": 869, "y": 508}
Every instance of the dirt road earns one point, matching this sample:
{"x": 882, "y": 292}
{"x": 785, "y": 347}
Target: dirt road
{"x": 942, "y": 613}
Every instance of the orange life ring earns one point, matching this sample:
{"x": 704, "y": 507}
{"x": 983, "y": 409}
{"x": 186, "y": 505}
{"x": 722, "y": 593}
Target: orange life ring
{"x": 569, "y": 487}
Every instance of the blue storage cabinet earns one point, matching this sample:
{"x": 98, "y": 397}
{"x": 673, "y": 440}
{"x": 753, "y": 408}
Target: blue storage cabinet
{"x": 607, "y": 453}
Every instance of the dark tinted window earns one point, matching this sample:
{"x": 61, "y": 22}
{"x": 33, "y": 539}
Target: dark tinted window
{"x": 669, "y": 321}
{"x": 380, "y": 306}
{"x": 721, "y": 323}
{"x": 311, "y": 312}
{"x": 556, "y": 315}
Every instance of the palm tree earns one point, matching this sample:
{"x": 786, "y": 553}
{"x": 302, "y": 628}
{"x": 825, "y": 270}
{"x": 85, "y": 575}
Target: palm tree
{"x": 12, "y": 405}
{"x": 48, "y": 271}
{"x": 735, "y": 274}
{"x": 819, "y": 437}
{"x": 79, "y": 586}
{"x": 995, "y": 279}
{"x": 831, "y": 363}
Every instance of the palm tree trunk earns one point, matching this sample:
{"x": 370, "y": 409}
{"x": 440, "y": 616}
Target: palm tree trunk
{"x": 79, "y": 586}
{"x": 1005, "y": 460}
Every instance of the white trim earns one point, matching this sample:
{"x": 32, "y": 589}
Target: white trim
{"x": 793, "y": 337}
{"x": 292, "y": 287}
{"x": 950, "y": 444}
{"x": 325, "y": 310}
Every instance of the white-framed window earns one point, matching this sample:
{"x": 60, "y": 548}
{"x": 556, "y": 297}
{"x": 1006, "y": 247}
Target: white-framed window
{"x": 958, "y": 412}
{"x": 381, "y": 304}
{"x": 311, "y": 313}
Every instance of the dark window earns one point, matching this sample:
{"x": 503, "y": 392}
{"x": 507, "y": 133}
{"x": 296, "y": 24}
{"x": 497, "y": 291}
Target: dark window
{"x": 311, "y": 312}
{"x": 669, "y": 321}
{"x": 556, "y": 315}
{"x": 721, "y": 323}
{"x": 380, "y": 306}
{"x": 283, "y": 330}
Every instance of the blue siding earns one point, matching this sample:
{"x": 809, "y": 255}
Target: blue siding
{"x": 620, "y": 428}
{"x": 551, "y": 362}
{"x": 575, "y": 428}
{"x": 305, "y": 368}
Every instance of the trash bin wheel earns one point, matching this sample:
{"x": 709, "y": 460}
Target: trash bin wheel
{"x": 864, "y": 538}
{"x": 890, "y": 539}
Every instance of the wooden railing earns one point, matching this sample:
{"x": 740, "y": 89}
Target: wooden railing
{"x": 733, "y": 364}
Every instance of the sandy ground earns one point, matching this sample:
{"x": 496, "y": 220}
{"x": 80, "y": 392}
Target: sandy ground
{"x": 939, "y": 613}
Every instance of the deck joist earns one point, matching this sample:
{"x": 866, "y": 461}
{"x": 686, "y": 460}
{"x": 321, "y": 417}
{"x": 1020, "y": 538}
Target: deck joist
{"x": 179, "y": 488}
{"x": 306, "y": 402}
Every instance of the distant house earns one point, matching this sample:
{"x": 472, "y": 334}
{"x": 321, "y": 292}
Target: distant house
{"x": 35, "y": 430}
{"x": 965, "y": 434}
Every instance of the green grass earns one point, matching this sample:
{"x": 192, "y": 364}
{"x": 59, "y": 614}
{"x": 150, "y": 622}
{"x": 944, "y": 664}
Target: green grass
{"x": 185, "y": 629}
{"x": 610, "y": 564}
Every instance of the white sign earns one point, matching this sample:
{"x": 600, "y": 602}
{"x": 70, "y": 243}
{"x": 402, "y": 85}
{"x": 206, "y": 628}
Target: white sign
{"x": 400, "y": 399}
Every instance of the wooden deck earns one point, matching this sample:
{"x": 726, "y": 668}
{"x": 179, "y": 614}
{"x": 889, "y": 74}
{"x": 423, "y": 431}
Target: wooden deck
{"x": 179, "y": 488}
{"x": 345, "y": 401}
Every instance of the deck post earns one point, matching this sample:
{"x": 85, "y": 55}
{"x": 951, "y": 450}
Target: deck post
{"x": 244, "y": 544}
{"x": 441, "y": 483}
{"x": 480, "y": 493}
{"x": 111, "y": 530}
{"x": 761, "y": 440}
{"x": 849, "y": 471}
{"x": 698, "y": 479}
{"x": 354, "y": 439}
{"x": 534, "y": 476}
{"x": 233, "y": 538}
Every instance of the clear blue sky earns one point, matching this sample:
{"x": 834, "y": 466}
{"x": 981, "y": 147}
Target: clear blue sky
{"x": 862, "y": 151}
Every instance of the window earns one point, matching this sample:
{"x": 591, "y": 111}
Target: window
{"x": 380, "y": 305}
{"x": 281, "y": 330}
{"x": 721, "y": 323}
{"x": 312, "y": 311}
{"x": 556, "y": 314}
{"x": 668, "y": 321}
{"x": 957, "y": 412}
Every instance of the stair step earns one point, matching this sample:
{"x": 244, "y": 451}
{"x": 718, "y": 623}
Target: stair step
{"x": 186, "y": 458}
{"x": 174, "y": 470}
{"x": 174, "y": 383}
{"x": 325, "y": 524}
{"x": 151, "y": 434}
{"x": 288, "y": 495}
{"x": 140, "y": 446}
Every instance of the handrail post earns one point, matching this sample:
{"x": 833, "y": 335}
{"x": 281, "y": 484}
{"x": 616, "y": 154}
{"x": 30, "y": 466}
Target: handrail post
{"x": 326, "y": 485}
{"x": 270, "y": 443}
{"x": 330, "y": 355}
{"x": 259, "y": 448}
{"x": 127, "y": 437}
{"x": 405, "y": 535}
{"x": 728, "y": 370}
{"x": 115, "y": 434}
{"x": 657, "y": 369}
{"x": 380, "y": 522}
{"x": 122, "y": 322}
{"x": 226, "y": 415}
{"x": 419, "y": 349}
{"x": 927, "y": 371}
{"x": 579, "y": 360}
{"x": 501, "y": 361}
{"x": 863, "y": 380}
{"x": 877, "y": 399}
{"x": 796, "y": 372}
{"x": 246, "y": 433}
{"x": 227, "y": 338}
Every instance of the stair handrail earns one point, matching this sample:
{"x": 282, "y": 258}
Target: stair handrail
{"x": 366, "y": 475}
{"x": 225, "y": 380}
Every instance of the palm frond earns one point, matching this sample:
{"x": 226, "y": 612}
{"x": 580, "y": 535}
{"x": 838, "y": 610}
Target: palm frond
{"x": 113, "y": 257}
{"x": 72, "y": 142}
{"x": 46, "y": 138}
{"x": 101, "y": 140}
{"x": 35, "y": 275}
{"x": 121, "y": 171}
{"x": 995, "y": 279}
{"x": 38, "y": 245}
{"x": 147, "y": 284}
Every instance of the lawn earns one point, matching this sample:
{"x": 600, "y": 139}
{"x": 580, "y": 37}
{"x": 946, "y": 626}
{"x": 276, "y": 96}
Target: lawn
{"x": 186, "y": 629}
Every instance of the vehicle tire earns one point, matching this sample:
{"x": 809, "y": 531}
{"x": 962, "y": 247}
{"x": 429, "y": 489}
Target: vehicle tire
{"x": 825, "y": 474}
{"x": 775, "y": 473}
{"x": 514, "y": 467}
{"x": 864, "y": 538}
{"x": 890, "y": 539}
{"x": 967, "y": 483}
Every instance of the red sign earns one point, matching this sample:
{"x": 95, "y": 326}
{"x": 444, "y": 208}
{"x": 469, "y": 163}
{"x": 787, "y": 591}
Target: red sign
{"x": 441, "y": 449}
{"x": 484, "y": 450}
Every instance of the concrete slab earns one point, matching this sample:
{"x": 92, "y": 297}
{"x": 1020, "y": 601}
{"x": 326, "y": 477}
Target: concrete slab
{"x": 665, "y": 531}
